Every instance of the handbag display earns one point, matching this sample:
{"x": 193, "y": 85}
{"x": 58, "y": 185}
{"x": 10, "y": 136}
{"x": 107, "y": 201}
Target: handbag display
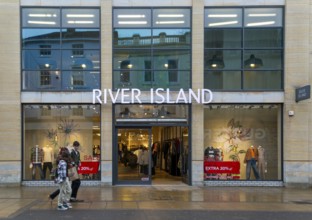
{"x": 73, "y": 174}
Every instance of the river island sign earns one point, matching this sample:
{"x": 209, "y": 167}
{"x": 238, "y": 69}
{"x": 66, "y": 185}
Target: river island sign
{"x": 153, "y": 96}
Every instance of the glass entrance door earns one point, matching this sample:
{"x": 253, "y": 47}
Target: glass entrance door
{"x": 133, "y": 158}
{"x": 185, "y": 155}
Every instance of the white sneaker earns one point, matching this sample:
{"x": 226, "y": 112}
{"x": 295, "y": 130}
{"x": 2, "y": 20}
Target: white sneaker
{"x": 67, "y": 205}
{"x": 62, "y": 208}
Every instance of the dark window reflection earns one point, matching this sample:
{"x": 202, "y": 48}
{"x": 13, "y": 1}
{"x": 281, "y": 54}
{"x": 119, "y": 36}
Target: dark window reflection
{"x": 223, "y": 38}
{"x": 263, "y": 38}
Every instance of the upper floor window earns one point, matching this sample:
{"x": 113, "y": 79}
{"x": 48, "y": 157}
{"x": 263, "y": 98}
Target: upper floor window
{"x": 64, "y": 40}
{"x": 152, "y": 48}
{"x": 243, "y": 48}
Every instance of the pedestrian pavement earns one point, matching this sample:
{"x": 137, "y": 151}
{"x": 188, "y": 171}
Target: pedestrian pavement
{"x": 16, "y": 200}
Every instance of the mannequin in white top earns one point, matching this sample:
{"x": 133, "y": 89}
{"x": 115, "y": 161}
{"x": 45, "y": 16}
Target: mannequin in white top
{"x": 48, "y": 158}
{"x": 262, "y": 164}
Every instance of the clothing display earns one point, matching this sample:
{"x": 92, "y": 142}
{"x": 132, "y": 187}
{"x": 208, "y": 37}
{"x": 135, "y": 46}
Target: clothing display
{"x": 48, "y": 158}
{"x": 251, "y": 159}
{"x": 36, "y": 159}
{"x": 262, "y": 164}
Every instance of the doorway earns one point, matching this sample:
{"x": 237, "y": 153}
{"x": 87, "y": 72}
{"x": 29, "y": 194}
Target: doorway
{"x": 157, "y": 155}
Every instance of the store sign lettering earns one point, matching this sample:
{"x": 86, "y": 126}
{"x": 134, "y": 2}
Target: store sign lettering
{"x": 158, "y": 96}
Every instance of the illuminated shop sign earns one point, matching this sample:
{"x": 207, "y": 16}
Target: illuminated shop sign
{"x": 158, "y": 96}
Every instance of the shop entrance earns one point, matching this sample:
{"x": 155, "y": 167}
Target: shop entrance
{"x": 151, "y": 155}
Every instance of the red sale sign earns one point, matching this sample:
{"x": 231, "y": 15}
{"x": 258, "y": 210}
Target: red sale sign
{"x": 88, "y": 167}
{"x": 228, "y": 167}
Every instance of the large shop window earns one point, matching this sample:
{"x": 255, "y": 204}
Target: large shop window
{"x": 57, "y": 45}
{"x": 152, "y": 48}
{"x": 243, "y": 49}
{"x": 47, "y": 128}
{"x": 243, "y": 142}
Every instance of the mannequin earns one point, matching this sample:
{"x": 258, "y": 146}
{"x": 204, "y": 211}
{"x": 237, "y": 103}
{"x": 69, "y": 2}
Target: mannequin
{"x": 48, "y": 158}
{"x": 36, "y": 158}
{"x": 262, "y": 164}
{"x": 251, "y": 159}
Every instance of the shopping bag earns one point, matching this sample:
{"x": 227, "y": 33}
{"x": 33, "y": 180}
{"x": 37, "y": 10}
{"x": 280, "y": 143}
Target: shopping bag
{"x": 73, "y": 174}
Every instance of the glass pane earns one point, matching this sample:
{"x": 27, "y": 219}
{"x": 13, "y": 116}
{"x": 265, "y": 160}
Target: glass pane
{"x": 226, "y": 80}
{"x": 263, "y": 38}
{"x": 161, "y": 79}
{"x": 53, "y": 126}
{"x": 132, "y": 18}
{"x": 135, "y": 154}
{"x": 223, "y": 38}
{"x": 220, "y": 18}
{"x": 263, "y": 59}
{"x": 162, "y": 59}
{"x": 171, "y": 17}
{"x": 124, "y": 112}
{"x": 34, "y": 38}
{"x": 89, "y": 38}
{"x": 132, "y": 38}
{"x": 232, "y": 133}
{"x": 41, "y": 17}
{"x": 263, "y": 80}
{"x": 173, "y": 38}
{"x": 132, "y": 79}
{"x": 223, "y": 59}
{"x": 41, "y": 59}
{"x": 81, "y": 18}
{"x": 131, "y": 59}
{"x": 79, "y": 59}
{"x": 173, "y": 79}
{"x": 263, "y": 17}
{"x": 80, "y": 80}
{"x": 41, "y": 80}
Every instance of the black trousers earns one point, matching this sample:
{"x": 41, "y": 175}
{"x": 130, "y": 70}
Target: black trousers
{"x": 75, "y": 186}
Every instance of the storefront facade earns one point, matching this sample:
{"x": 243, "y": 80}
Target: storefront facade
{"x": 191, "y": 92}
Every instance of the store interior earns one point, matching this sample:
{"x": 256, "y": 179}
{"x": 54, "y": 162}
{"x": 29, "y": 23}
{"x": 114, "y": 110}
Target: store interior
{"x": 162, "y": 148}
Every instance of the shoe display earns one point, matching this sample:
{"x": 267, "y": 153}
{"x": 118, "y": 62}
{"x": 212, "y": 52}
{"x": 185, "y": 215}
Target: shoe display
{"x": 61, "y": 208}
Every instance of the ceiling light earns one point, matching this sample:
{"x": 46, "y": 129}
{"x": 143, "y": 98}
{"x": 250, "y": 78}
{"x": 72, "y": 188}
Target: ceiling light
{"x": 132, "y": 22}
{"x": 42, "y": 22}
{"x": 253, "y": 62}
{"x": 80, "y": 16}
{"x": 170, "y": 22}
{"x": 222, "y": 23}
{"x": 131, "y": 16}
{"x": 170, "y": 15}
{"x": 262, "y": 15}
{"x": 42, "y": 15}
{"x": 80, "y": 22}
{"x": 223, "y": 16}
{"x": 260, "y": 23}
{"x": 216, "y": 63}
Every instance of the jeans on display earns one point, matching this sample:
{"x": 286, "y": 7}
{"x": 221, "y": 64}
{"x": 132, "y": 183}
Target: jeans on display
{"x": 34, "y": 168}
{"x": 65, "y": 192}
{"x": 252, "y": 164}
{"x": 46, "y": 165}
